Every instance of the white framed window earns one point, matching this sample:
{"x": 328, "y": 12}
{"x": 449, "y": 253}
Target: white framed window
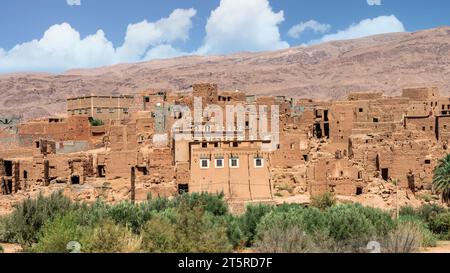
{"x": 234, "y": 163}
{"x": 220, "y": 164}
{"x": 204, "y": 163}
{"x": 259, "y": 162}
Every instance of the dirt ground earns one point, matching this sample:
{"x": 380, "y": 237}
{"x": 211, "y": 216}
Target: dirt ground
{"x": 11, "y": 248}
{"x": 442, "y": 247}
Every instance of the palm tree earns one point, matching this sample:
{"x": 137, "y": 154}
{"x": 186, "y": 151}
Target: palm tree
{"x": 441, "y": 179}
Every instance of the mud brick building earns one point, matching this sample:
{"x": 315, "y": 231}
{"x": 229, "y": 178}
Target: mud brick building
{"x": 323, "y": 146}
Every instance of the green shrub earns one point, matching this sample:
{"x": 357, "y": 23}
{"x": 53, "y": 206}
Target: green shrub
{"x": 130, "y": 215}
{"x": 96, "y": 122}
{"x": 158, "y": 204}
{"x": 349, "y": 227}
{"x": 428, "y": 238}
{"x": 440, "y": 225}
{"x": 56, "y": 234}
{"x": 323, "y": 201}
{"x": 408, "y": 211}
{"x": 284, "y": 240}
{"x": 249, "y": 221}
{"x": 234, "y": 232}
{"x": 1, "y": 249}
{"x": 314, "y": 221}
{"x": 200, "y": 231}
{"x": 28, "y": 217}
{"x": 6, "y": 234}
{"x": 186, "y": 229}
{"x": 428, "y": 211}
{"x": 280, "y": 220}
{"x": 213, "y": 203}
{"x": 109, "y": 237}
{"x": 159, "y": 235}
{"x": 381, "y": 220}
{"x": 407, "y": 237}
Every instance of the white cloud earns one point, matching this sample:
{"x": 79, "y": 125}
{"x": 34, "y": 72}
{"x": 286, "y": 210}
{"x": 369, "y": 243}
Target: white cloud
{"x": 164, "y": 52}
{"x": 249, "y": 25}
{"x": 74, "y": 2}
{"x": 313, "y": 25}
{"x": 367, "y": 27}
{"x": 374, "y": 2}
{"x": 61, "y": 46}
{"x": 143, "y": 35}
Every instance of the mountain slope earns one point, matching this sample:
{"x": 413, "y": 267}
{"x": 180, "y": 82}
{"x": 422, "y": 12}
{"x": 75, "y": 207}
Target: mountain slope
{"x": 384, "y": 62}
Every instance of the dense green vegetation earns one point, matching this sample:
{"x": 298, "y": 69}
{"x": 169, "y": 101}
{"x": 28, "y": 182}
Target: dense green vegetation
{"x": 441, "y": 179}
{"x": 96, "y": 122}
{"x": 203, "y": 223}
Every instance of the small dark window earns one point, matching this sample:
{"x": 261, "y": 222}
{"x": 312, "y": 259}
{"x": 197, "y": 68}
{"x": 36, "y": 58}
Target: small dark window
{"x": 183, "y": 188}
{"x": 423, "y": 128}
{"x": 375, "y": 120}
{"x": 427, "y": 161}
{"x": 361, "y": 110}
{"x": 235, "y": 144}
{"x": 204, "y": 145}
{"x": 75, "y": 180}
{"x": 216, "y": 145}
{"x": 359, "y": 190}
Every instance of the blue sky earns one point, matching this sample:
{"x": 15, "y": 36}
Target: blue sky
{"x": 190, "y": 27}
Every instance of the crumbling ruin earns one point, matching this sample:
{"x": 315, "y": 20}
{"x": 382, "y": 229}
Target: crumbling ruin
{"x": 337, "y": 146}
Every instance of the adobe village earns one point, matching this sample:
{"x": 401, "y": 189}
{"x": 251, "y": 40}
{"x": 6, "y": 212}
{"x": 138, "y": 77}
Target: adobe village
{"x": 125, "y": 147}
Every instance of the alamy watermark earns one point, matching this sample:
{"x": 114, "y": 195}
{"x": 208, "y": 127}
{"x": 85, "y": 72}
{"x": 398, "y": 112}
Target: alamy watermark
{"x": 236, "y": 122}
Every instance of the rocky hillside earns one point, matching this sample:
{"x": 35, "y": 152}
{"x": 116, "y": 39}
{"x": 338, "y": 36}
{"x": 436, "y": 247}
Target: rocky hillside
{"x": 328, "y": 71}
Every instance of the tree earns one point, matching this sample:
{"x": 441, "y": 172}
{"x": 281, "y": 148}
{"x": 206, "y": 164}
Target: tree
{"x": 441, "y": 179}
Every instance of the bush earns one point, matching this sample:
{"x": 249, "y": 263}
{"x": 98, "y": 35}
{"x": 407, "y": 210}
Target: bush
{"x": 249, "y": 221}
{"x": 200, "y": 231}
{"x": 1, "y": 249}
{"x": 408, "y": 211}
{"x": 428, "y": 238}
{"x": 285, "y": 240}
{"x": 440, "y": 225}
{"x": 427, "y": 212}
{"x": 25, "y": 222}
{"x": 349, "y": 227}
{"x": 96, "y": 122}
{"x": 130, "y": 215}
{"x": 158, "y": 204}
{"x": 109, "y": 237}
{"x": 213, "y": 203}
{"x": 323, "y": 201}
{"x": 6, "y": 234}
{"x": 56, "y": 234}
{"x": 281, "y": 220}
{"x": 407, "y": 237}
{"x": 381, "y": 220}
{"x": 186, "y": 230}
{"x": 234, "y": 232}
{"x": 158, "y": 235}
